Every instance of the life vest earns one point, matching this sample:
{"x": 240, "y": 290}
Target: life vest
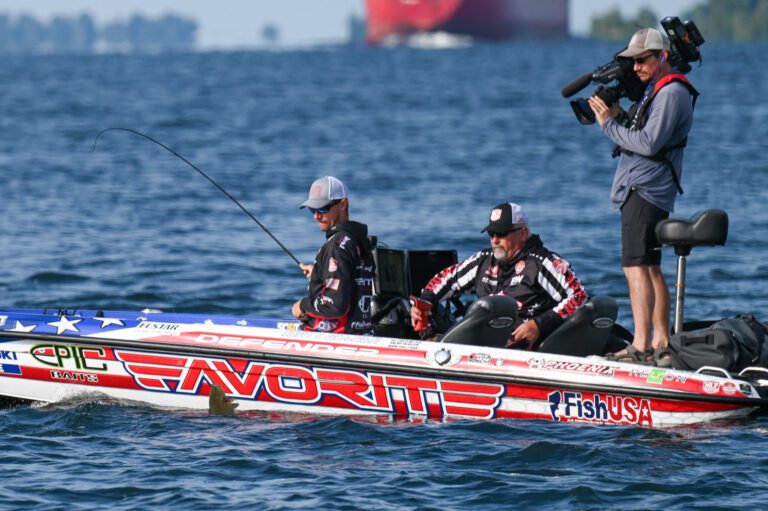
{"x": 639, "y": 116}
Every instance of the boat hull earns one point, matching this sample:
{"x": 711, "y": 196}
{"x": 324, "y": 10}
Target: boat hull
{"x": 275, "y": 367}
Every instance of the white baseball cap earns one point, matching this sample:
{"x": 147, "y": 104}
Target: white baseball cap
{"x": 324, "y": 191}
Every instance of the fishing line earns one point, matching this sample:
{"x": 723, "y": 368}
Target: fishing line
{"x": 206, "y": 176}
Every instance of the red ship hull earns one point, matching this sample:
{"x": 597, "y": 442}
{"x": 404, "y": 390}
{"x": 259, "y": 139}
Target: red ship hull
{"x": 485, "y": 19}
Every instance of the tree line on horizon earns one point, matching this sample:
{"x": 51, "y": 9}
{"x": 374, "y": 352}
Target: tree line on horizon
{"x": 725, "y": 20}
{"x": 80, "y": 35}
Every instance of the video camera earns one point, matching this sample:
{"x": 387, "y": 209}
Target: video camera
{"x": 684, "y": 42}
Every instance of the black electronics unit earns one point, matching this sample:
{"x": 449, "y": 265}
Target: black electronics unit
{"x": 391, "y": 272}
{"x": 425, "y": 264}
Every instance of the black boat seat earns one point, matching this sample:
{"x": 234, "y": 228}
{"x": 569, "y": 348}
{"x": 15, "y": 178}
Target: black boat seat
{"x": 705, "y": 228}
{"x": 586, "y": 331}
{"x": 488, "y": 322}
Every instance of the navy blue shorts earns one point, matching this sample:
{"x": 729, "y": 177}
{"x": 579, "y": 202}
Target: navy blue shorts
{"x": 639, "y": 245}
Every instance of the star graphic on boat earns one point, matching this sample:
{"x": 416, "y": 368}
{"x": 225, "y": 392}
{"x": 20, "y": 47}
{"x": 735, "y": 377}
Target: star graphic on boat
{"x": 65, "y": 324}
{"x": 22, "y": 328}
{"x": 105, "y": 322}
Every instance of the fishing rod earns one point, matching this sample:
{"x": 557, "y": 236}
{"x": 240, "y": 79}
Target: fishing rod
{"x": 206, "y": 176}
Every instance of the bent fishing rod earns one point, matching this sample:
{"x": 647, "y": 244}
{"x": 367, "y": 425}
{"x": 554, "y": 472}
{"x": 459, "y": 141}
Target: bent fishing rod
{"x": 206, "y": 176}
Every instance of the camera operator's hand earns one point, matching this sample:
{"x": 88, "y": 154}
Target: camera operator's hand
{"x": 602, "y": 111}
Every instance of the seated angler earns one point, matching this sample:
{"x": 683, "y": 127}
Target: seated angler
{"x": 517, "y": 265}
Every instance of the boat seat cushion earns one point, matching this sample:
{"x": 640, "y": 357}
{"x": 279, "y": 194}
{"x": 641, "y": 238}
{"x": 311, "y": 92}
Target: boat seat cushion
{"x": 705, "y": 228}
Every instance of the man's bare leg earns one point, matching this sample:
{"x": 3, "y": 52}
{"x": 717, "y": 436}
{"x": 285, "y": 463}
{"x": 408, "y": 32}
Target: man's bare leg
{"x": 642, "y": 300}
{"x": 660, "y": 309}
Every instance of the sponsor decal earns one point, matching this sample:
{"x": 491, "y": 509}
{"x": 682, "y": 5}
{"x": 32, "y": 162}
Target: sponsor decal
{"x": 560, "y": 265}
{"x": 730, "y": 388}
{"x": 322, "y": 300}
{"x": 493, "y": 271}
{"x": 603, "y": 408}
{"x": 10, "y": 369}
{"x": 325, "y": 325}
{"x": 332, "y": 284}
{"x": 711, "y": 387}
{"x": 516, "y": 280}
{"x": 519, "y": 267}
{"x": 332, "y": 266}
{"x": 666, "y": 375}
{"x": 3, "y": 319}
{"x": 312, "y": 386}
{"x": 157, "y": 326}
{"x": 538, "y": 362}
{"x": 361, "y": 325}
{"x": 8, "y": 355}
{"x": 364, "y": 303}
{"x": 74, "y": 377}
{"x": 656, "y": 376}
{"x": 288, "y": 326}
{"x": 232, "y": 341}
{"x": 70, "y": 357}
{"x": 495, "y": 214}
{"x": 479, "y": 358}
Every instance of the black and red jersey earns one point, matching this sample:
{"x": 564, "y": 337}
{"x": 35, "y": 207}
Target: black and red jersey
{"x": 543, "y": 284}
{"x": 341, "y": 284}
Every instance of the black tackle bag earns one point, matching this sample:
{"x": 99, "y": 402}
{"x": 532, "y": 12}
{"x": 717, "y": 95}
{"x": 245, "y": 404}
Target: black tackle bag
{"x": 731, "y": 344}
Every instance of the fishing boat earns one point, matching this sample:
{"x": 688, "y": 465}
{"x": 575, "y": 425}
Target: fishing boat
{"x": 177, "y": 360}
{"x": 173, "y": 360}
{"x": 484, "y": 19}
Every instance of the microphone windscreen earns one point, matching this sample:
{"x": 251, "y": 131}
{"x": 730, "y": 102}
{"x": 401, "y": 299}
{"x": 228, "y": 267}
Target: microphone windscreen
{"x": 576, "y": 85}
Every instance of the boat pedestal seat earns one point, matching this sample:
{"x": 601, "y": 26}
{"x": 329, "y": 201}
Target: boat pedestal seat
{"x": 705, "y": 228}
{"x": 586, "y": 331}
{"x": 489, "y": 321}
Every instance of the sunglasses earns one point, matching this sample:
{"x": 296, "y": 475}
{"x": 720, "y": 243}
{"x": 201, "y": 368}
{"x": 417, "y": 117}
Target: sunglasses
{"x": 641, "y": 60}
{"x": 503, "y": 234}
{"x": 325, "y": 209}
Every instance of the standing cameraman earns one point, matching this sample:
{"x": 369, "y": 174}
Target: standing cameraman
{"x": 646, "y": 183}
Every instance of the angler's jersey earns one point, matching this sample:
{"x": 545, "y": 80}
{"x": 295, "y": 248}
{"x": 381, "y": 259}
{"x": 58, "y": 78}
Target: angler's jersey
{"x": 546, "y": 289}
{"x": 341, "y": 284}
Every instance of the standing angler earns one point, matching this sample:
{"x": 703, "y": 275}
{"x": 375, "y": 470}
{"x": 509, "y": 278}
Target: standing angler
{"x": 647, "y": 182}
{"x": 341, "y": 278}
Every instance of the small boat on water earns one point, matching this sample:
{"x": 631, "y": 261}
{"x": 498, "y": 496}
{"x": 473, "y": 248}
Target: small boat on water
{"x": 176, "y": 360}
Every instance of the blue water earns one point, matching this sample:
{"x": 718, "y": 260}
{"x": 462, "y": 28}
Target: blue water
{"x": 428, "y": 142}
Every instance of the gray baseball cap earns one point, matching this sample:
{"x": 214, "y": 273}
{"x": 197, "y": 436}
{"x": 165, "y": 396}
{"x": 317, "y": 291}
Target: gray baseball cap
{"x": 324, "y": 191}
{"x": 645, "y": 39}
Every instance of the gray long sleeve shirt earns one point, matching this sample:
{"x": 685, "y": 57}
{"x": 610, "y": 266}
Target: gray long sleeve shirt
{"x": 670, "y": 116}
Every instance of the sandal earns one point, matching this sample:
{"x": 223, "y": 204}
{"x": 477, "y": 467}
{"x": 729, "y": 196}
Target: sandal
{"x": 661, "y": 357}
{"x": 630, "y": 355}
